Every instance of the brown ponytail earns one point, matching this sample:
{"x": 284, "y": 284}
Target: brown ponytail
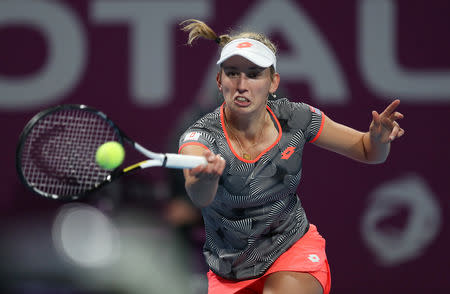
{"x": 197, "y": 28}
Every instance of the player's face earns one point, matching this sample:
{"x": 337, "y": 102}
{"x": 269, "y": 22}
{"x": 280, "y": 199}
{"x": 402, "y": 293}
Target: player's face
{"x": 244, "y": 85}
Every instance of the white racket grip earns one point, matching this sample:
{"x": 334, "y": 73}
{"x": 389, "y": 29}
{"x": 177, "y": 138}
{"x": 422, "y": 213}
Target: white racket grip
{"x": 184, "y": 161}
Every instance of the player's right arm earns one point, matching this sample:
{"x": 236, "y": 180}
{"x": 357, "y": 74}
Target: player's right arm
{"x": 201, "y": 182}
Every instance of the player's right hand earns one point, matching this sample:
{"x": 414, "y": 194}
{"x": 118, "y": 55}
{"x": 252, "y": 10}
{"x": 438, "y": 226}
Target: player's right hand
{"x": 213, "y": 170}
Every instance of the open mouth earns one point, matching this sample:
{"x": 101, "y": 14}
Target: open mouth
{"x": 241, "y": 99}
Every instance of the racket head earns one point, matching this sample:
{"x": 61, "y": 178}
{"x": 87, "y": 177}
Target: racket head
{"x": 55, "y": 156}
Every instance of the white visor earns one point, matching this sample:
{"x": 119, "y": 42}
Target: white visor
{"x": 250, "y": 49}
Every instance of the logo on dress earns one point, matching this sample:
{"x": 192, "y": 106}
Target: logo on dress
{"x": 315, "y": 110}
{"x": 314, "y": 257}
{"x": 287, "y": 152}
{"x": 193, "y": 136}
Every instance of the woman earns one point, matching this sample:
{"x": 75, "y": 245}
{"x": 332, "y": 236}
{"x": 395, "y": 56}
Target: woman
{"x": 258, "y": 238}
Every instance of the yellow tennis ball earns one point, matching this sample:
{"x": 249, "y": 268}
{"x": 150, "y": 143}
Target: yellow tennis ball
{"x": 110, "y": 155}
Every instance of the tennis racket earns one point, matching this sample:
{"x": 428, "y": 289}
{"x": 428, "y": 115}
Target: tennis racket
{"x": 55, "y": 156}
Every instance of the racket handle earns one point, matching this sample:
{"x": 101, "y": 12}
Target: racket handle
{"x": 184, "y": 161}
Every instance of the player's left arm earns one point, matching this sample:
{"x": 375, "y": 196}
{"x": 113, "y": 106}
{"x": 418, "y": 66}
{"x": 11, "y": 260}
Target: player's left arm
{"x": 370, "y": 147}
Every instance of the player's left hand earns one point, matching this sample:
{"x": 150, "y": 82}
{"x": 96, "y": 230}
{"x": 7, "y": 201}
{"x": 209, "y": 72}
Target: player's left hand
{"x": 384, "y": 127}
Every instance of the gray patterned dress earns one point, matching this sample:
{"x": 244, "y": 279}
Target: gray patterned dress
{"x": 256, "y": 214}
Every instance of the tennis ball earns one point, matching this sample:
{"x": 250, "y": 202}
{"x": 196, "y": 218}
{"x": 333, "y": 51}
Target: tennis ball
{"x": 110, "y": 155}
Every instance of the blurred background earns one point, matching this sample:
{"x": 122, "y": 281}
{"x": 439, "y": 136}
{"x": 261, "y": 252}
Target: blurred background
{"x": 386, "y": 226}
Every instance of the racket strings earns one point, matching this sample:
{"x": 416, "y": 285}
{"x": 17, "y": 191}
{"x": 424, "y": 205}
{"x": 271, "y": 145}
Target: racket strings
{"x": 59, "y": 153}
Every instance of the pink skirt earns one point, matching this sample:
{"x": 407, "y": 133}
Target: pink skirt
{"x": 306, "y": 255}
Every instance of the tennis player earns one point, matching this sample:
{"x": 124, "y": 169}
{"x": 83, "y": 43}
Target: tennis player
{"x": 258, "y": 238}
